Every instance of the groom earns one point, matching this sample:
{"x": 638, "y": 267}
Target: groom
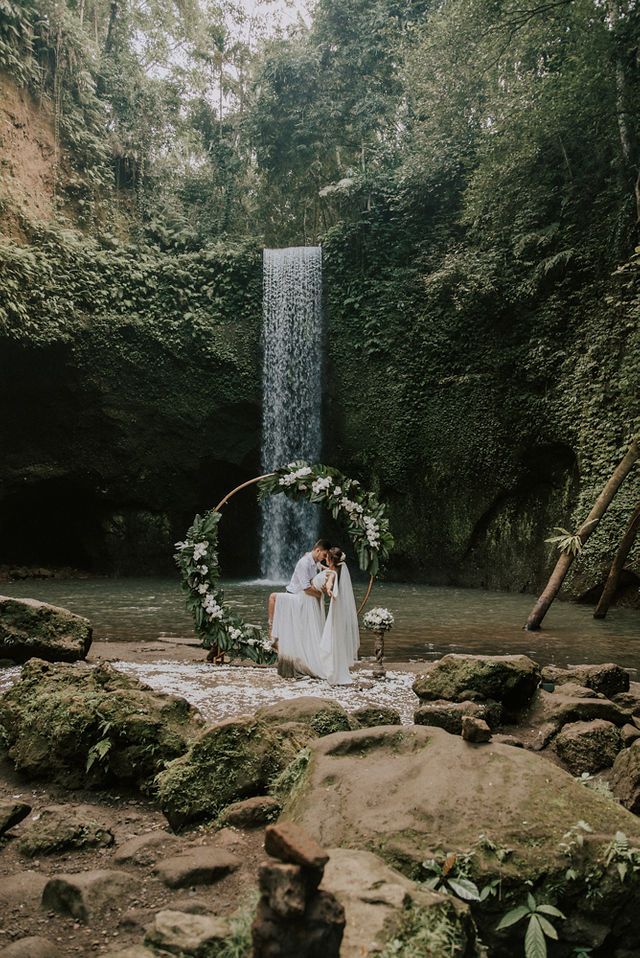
{"x": 305, "y": 570}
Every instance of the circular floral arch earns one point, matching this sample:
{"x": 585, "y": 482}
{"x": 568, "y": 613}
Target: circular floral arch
{"x": 359, "y": 512}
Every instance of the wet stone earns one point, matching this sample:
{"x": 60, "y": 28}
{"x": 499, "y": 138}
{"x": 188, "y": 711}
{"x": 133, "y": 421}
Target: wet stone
{"x": 475, "y": 729}
{"x": 32, "y": 947}
{"x": 11, "y": 813}
{"x": 199, "y": 866}
{"x": 85, "y": 893}
{"x": 181, "y": 934}
{"x": 290, "y": 843}
{"x": 250, "y": 813}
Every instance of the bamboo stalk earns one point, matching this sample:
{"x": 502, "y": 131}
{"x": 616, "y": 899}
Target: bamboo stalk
{"x": 589, "y": 526}
{"x": 617, "y": 565}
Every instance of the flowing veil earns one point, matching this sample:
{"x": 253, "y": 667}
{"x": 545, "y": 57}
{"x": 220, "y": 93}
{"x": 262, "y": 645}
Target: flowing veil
{"x": 340, "y": 638}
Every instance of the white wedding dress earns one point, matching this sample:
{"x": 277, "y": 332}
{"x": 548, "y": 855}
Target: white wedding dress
{"x": 340, "y": 638}
{"x": 310, "y": 644}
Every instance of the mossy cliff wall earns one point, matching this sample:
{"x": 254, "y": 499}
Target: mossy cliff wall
{"x": 485, "y": 422}
{"x": 131, "y": 379}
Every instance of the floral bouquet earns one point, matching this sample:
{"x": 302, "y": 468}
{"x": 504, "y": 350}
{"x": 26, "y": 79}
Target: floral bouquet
{"x": 378, "y": 620}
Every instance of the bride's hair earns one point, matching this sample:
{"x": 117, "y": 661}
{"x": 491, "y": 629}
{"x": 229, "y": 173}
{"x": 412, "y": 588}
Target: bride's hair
{"x": 336, "y": 555}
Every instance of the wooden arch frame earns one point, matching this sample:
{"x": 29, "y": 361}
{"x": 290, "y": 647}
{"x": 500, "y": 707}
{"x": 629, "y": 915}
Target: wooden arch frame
{"x": 253, "y": 482}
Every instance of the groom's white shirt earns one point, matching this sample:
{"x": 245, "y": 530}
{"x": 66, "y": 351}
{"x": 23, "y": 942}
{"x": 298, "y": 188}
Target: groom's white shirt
{"x": 305, "y": 570}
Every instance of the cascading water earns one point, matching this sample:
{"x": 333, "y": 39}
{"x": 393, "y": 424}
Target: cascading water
{"x": 291, "y": 396}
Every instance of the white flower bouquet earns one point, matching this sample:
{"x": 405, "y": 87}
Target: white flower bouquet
{"x": 378, "y": 620}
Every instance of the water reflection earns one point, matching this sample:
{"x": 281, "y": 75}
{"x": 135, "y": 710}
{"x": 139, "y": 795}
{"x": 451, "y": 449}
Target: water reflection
{"x": 430, "y": 621}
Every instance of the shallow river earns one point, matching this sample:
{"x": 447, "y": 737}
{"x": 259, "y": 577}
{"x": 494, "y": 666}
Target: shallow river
{"x": 430, "y": 621}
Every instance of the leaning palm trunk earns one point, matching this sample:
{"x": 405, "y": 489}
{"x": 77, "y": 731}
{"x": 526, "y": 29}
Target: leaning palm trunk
{"x": 618, "y": 565}
{"x": 565, "y": 561}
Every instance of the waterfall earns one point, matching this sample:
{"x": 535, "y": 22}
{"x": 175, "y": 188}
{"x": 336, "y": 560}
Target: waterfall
{"x": 291, "y": 396}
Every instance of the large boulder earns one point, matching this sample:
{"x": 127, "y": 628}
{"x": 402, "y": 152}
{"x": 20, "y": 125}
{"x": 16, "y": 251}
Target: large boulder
{"x": 608, "y": 678}
{"x": 382, "y": 905}
{"x": 57, "y": 828}
{"x": 625, "y": 777}
{"x": 551, "y": 711}
{"x": 323, "y": 716}
{"x": 588, "y": 746}
{"x": 509, "y": 679}
{"x": 85, "y": 725}
{"x": 235, "y": 759}
{"x": 412, "y": 794}
{"x": 35, "y": 630}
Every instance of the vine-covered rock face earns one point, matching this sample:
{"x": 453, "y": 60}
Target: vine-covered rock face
{"x": 509, "y": 679}
{"x": 162, "y": 387}
{"x": 31, "y": 629}
{"x": 414, "y": 794}
{"x": 235, "y": 759}
{"x": 83, "y": 725}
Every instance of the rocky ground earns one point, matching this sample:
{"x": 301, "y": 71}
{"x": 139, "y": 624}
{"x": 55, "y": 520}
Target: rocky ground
{"x": 414, "y": 814}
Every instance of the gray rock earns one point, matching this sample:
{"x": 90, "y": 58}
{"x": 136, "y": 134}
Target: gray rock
{"x": 146, "y": 849}
{"x": 449, "y": 715}
{"x": 550, "y": 711}
{"x": 575, "y": 691}
{"x": 251, "y": 813}
{"x": 503, "y": 739}
{"x": 318, "y": 932}
{"x": 370, "y": 716}
{"x": 198, "y": 866}
{"x": 57, "y": 828}
{"x": 629, "y": 734}
{"x": 625, "y": 777}
{"x": 292, "y": 844}
{"x": 323, "y": 715}
{"x": 134, "y": 951}
{"x": 509, "y": 679}
{"x": 588, "y": 746}
{"x": 31, "y": 629}
{"x": 285, "y": 889}
{"x": 375, "y": 898}
{"x": 32, "y": 947}
{"x": 11, "y": 813}
{"x": 475, "y": 730}
{"x": 181, "y": 934}
{"x": 631, "y": 699}
{"x": 85, "y": 893}
{"x": 609, "y": 679}
{"x": 22, "y": 888}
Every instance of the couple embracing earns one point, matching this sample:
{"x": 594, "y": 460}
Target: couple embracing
{"x": 312, "y": 640}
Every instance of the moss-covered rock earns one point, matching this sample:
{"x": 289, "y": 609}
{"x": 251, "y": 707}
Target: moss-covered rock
{"x": 31, "y": 629}
{"x": 510, "y": 679}
{"x": 58, "y": 828}
{"x": 232, "y": 760}
{"x": 323, "y": 716}
{"x": 371, "y": 715}
{"x": 92, "y": 725}
{"x": 588, "y": 746}
{"x": 413, "y": 794}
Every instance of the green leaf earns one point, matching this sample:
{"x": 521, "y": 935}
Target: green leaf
{"x": 547, "y": 927}
{"x": 531, "y": 902}
{"x": 550, "y": 910}
{"x": 464, "y": 888}
{"x": 535, "y": 945}
{"x": 513, "y": 916}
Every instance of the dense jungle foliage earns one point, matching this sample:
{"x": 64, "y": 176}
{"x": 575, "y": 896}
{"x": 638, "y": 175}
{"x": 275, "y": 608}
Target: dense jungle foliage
{"x": 472, "y": 170}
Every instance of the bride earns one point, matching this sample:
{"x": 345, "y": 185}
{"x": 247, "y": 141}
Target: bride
{"x": 316, "y": 646}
